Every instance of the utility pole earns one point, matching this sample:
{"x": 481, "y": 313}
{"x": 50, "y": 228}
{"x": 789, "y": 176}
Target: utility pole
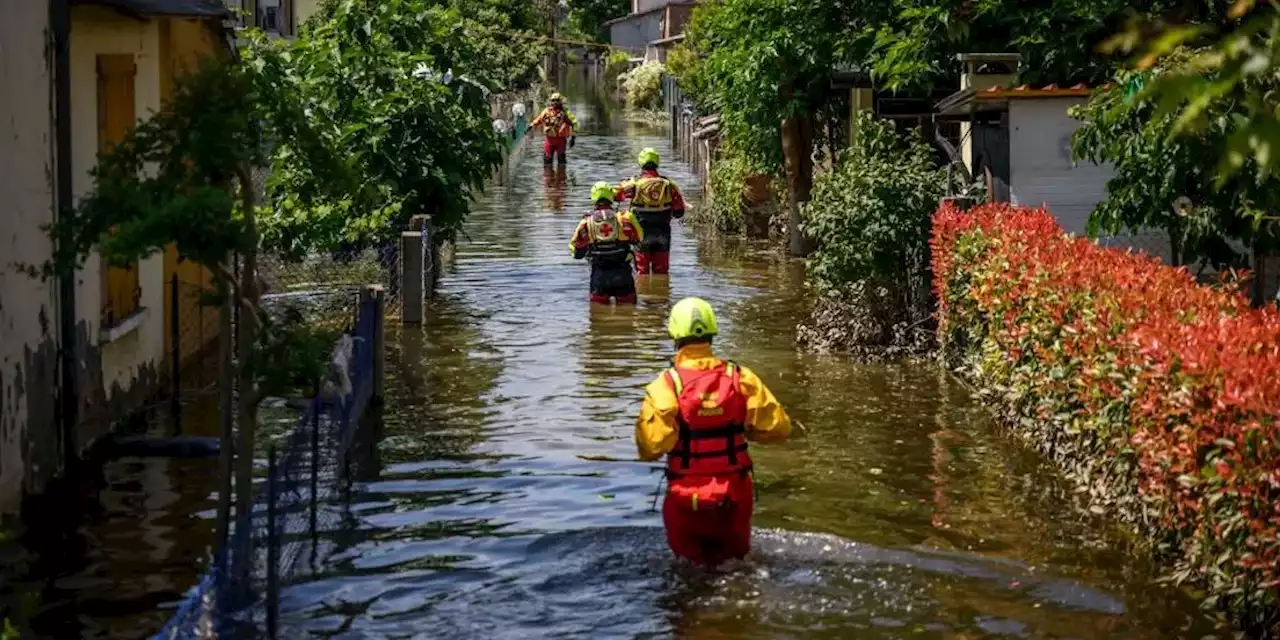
{"x": 553, "y": 58}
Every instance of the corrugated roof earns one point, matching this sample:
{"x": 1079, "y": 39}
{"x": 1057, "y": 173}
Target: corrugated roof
{"x": 968, "y": 101}
{"x": 184, "y": 8}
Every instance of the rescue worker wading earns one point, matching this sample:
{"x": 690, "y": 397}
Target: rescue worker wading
{"x": 559, "y": 126}
{"x": 700, "y": 413}
{"x": 655, "y": 200}
{"x": 605, "y": 236}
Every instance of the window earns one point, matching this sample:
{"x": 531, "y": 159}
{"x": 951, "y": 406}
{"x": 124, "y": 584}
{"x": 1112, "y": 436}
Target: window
{"x": 271, "y": 19}
{"x": 120, "y": 291}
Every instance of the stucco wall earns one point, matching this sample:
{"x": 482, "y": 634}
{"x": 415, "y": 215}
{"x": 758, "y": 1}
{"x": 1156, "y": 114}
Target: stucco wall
{"x": 305, "y": 9}
{"x": 677, "y": 17}
{"x": 636, "y": 32}
{"x": 124, "y": 366}
{"x": 28, "y": 321}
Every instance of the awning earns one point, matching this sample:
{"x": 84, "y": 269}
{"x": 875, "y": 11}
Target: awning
{"x": 665, "y": 41}
{"x": 179, "y": 8}
{"x": 963, "y": 104}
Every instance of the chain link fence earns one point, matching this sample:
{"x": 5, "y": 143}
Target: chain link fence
{"x": 324, "y": 284}
{"x": 297, "y": 505}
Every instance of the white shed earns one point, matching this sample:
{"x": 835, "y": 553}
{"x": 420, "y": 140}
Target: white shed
{"x": 1021, "y": 142}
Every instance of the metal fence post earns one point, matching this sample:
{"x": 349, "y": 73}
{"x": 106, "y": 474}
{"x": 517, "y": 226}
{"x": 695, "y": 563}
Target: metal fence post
{"x": 273, "y": 547}
{"x": 373, "y": 301}
{"x": 316, "y": 404}
{"x": 175, "y": 347}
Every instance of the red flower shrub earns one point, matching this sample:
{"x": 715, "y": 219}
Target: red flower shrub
{"x": 1158, "y": 395}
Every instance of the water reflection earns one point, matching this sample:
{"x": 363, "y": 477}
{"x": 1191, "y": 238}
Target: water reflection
{"x": 554, "y": 181}
{"x": 510, "y": 504}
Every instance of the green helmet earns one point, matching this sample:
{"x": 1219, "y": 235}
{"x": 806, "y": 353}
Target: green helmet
{"x": 692, "y": 318}
{"x": 556, "y": 97}
{"x": 648, "y": 155}
{"x": 601, "y": 191}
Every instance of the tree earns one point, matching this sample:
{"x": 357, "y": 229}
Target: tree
{"x": 1163, "y": 181}
{"x": 1192, "y": 126}
{"x": 1232, "y": 70}
{"x": 184, "y": 176}
{"x": 378, "y": 111}
{"x": 588, "y": 17}
{"x": 404, "y": 88}
{"x": 764, "y": 64}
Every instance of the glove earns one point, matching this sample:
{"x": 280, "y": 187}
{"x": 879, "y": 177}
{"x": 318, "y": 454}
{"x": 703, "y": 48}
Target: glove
{"x": 572, "y": 139}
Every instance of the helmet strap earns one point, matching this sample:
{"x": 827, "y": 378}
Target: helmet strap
{"x": 684, "y": 342}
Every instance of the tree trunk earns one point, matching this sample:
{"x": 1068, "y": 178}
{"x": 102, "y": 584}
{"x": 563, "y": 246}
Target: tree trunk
{"x": 247, "y": 414}
{"x": 797, "y": 154}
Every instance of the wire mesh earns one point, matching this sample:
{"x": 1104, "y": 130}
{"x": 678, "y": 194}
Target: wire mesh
{"x": 238, "y": 595}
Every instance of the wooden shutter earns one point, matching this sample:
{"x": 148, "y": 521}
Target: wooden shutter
{"x": 116, "y": 115}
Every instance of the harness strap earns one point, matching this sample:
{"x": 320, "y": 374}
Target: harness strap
{"x": 642, "y": 210}
{"x": 716, "y": 454}
{"x": 730, "y": 431}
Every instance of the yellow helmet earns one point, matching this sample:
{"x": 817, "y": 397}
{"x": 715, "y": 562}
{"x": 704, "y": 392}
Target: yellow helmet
{"x": 556, "y": 97}
{"x": 692, "y": 318}
{"x": 648, "y": 155}
{"x": 601, "y": 191}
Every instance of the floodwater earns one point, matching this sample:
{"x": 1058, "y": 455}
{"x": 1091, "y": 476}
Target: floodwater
{"x": 491, "y": 508}
{"x": 503, "y": 500}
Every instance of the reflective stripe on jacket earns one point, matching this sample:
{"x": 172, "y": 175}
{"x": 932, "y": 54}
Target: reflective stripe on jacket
{"x": 652, "y": 193}
{"x": 556, "y": 123}
{"x": 605, "y": 234}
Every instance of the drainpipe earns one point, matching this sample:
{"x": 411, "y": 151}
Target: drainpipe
{"x": 69, "y": 398}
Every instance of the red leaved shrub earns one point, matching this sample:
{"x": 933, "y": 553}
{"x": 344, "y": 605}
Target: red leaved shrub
{"x": 1159, "y": 396}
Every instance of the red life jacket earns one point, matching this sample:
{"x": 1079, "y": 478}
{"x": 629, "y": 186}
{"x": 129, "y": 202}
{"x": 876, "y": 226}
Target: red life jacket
{"x": 712, "y": 421}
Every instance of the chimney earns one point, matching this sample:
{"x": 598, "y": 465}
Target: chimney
{"x": 986, "y": 70}
{"x": 983, "y": 71}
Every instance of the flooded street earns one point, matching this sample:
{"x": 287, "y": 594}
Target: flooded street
{"x": 501, "y": 502}
{"x": 503, "y": 499}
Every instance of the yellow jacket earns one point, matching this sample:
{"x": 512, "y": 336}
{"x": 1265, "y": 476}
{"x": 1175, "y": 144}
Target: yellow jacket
{"x": 657, "y": 431}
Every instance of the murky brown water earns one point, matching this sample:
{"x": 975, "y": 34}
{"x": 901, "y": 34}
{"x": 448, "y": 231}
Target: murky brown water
{"x": 902, "y": 512}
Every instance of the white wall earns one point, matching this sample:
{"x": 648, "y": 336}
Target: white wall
{"x": 28, "y": 318}
{"x": 305, "y": 9}
{"x": 97, "y": 31}
{"x": 1042, "y": 173}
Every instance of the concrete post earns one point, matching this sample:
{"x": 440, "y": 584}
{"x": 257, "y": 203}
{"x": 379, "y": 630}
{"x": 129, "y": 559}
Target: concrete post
{"x": 413, "y": 288}
{"x": 374, "y": 294}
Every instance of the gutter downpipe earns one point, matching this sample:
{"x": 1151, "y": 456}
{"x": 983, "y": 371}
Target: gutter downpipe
{"x": 69, "y": 398}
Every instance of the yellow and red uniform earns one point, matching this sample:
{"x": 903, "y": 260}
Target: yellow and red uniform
{"x": 700, "y": 414}
{"x": 606, "y": 236}
{"x": 558, "y": 125}
{"x": 655, "y": 200}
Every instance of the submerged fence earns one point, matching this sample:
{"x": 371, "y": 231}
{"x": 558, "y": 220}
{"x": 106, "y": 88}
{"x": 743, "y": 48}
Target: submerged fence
{"x": 238, "y": 596}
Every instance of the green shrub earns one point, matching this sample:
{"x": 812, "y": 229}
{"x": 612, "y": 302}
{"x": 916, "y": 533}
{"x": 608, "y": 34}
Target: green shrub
{"x": 1159, "y": 397}
{"x": 729, "y": 207}
{"x": 870, "y": 215}
{"x": 616, "y": 63}
{"x": 643, "y": 86}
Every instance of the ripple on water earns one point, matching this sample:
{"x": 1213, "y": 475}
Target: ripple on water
{"x": 504, "y": 502}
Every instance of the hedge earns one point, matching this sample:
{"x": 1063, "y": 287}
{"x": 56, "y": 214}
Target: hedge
{"x": 1158, "y": 396}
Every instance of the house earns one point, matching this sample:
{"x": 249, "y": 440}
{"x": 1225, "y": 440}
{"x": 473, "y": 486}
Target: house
{"x": 276, "y": 18}
{"x": 649, "y": 22}
{"x": 658, "y": 50}
{"x": 80, "y": 353}
{"x": 1017, "y": 140}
